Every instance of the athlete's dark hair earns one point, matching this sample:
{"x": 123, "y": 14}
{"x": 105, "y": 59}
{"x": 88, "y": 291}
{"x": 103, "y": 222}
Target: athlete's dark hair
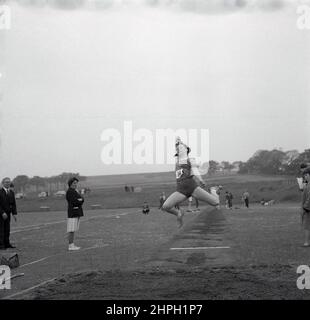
{"x": 71, "y": 180}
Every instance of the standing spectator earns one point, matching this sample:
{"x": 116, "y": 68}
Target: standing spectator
{"x": 7, "y": 207}
{"x": 197, "y": 204}
{"x": 301, "y": 180}
{"x": 162, "y": 199}
{"x": 189, "y": 208}
{"x": 230, "y": 199}
{"x": 306, "y": 207}
{"x": 226, "y": 199}
{"x": 75, "y": 211}
{"x": 246, "y": 198}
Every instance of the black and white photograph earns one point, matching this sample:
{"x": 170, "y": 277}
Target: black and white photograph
{"x": 155, "y": 150}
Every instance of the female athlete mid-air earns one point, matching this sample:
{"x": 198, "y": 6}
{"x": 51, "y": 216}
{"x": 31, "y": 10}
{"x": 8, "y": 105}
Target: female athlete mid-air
{"x": 189, "y": 183}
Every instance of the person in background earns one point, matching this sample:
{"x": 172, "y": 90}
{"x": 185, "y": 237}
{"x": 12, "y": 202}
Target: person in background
{"x": 305, "y": 207}
{"x": 162, "y": 199}
{"x": 146, "y": 208}
{"x": 75, "y": 211}
{"x": 301, "y": 180}
{"x": 189, "y": 208}
{"x": 7, "y": 208}
{"x": 226, "y": 199}
{"x": 197, "y": 204}
{"x": 246, "y": 198}
{"x": 230, "y": 199}
{"x": 216, "y": 191}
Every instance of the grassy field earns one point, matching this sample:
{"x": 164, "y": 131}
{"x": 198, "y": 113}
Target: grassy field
{"x": 108, "y": 191}
{"x": 128, "y": 255}
{"x": 218, "y": 254}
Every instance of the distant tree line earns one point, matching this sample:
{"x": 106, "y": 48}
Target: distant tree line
{"x": 223, "y": 167}
{"x": 58, "y": 182}
{"x": 276, "y": 162}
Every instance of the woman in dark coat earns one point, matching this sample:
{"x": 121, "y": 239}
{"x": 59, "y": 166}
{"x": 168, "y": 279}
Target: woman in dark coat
{"x": 75, "y": 211}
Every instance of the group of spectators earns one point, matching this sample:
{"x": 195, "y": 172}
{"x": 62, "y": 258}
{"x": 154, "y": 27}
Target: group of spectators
{"x": 229, "y": 198}
{"x": 129, "y": 188}
{"x": 228, "y": 201}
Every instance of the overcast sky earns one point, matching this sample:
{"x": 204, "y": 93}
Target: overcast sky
{"x": 238, "y": 68}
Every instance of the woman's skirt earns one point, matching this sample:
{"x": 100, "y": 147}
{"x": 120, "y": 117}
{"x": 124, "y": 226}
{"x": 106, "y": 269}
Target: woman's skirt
{"x": 73, "y": 224}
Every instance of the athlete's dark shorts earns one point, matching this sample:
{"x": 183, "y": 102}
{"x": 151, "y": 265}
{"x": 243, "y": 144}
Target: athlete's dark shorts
{"x": 187, "y": 186}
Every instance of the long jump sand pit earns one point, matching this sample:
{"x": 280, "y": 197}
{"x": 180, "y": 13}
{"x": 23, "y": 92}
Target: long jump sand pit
{"x": 255, "y": 282}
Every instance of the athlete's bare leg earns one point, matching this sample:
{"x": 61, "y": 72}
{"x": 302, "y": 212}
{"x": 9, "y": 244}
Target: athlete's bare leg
{"x": 171, "y": 202}
{"x": 205, "y": 196}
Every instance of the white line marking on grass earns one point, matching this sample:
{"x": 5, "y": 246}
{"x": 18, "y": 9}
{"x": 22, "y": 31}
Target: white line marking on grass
{"x": 29, "y": 289}
{"x": 42, "y": 225}
{"x": 36, "y": 227}
{"x": 33, "y": 262}
{"x": 16, "y": 276}
{"x": 199, "y": 248}
{"x": 59, "y": 254}
{"x": 93, "y": 247}
{"x": 125, "y": 213}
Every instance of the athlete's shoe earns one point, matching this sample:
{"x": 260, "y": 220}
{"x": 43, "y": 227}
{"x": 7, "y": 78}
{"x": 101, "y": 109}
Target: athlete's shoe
{"x": 180, "y": 218}
{"x": 73, "y": 247}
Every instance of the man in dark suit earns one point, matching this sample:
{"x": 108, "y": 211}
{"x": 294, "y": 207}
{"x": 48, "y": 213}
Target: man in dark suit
{"x": 7, "y": 208}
